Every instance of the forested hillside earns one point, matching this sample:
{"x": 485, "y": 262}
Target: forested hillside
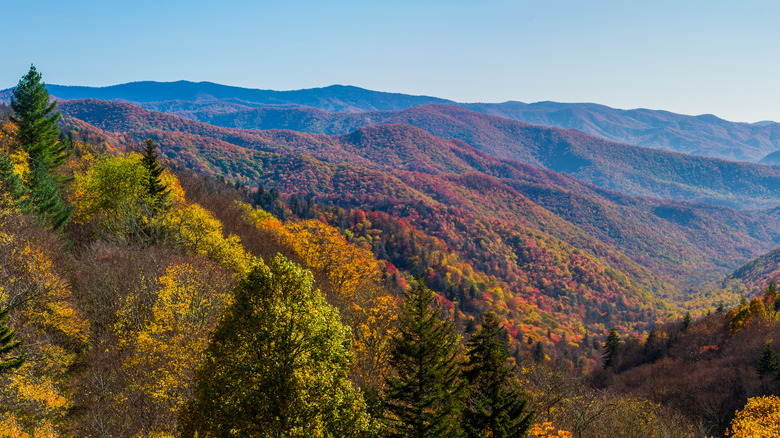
{"x": 628, "y": 169}
{"x": 673, "y": 239}
{"x": 166, "y": 277}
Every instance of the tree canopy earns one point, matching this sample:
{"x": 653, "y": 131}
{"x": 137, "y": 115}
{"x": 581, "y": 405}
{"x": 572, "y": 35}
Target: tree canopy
{"x": 277, "y": 364}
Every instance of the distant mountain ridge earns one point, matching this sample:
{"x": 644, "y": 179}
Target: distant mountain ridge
{"x": 703, "y": 135}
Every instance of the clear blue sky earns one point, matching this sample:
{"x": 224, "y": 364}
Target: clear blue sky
{"x": 687, "y": 56}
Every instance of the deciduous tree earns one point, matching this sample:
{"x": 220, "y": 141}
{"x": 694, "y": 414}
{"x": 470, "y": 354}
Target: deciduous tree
{"x": 277, "y": 364}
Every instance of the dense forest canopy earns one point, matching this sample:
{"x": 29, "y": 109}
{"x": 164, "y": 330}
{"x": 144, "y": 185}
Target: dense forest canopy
{"x": 164, "y": 278}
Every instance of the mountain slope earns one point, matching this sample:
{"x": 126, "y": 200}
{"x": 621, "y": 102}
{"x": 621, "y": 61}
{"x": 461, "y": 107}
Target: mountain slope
{"x": 629, "y": 169}
{"x": 684, "y": 242}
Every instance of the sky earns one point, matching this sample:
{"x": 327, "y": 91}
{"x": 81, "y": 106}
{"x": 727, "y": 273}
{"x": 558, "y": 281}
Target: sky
{"x": 686, "y": 56}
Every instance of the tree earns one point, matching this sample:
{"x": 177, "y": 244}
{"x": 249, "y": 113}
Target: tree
{"x": 611, "y": 348}
{"x": 686, "y": 322}
{"x": 767, "y": 362}
{"x": 36, "y": 122}
{"x": 277, "y": 364}
{"x": 494, "y": 406}
{"x": 539, "y": 353}
{"x": 7, "y": 345}
{"x": 38, "y": 133}
{"x": 156, "y": 189}
{"x": 424, "y": 398}
{"x": 758, "y": 419}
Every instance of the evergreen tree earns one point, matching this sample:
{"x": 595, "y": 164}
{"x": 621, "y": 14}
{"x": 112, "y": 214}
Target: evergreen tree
{"x": 539, "y": 353}
{"x": 277, "y": 364}
{"x": 771, "y": 290}
{"x": 156, "y": 189}
{"x": 494, "y": 406}
{"x": 36, "y": 121}
{"x": 38, "y": 134}
{"x": 7, "y": 345}
{"x": 767, "y": 362}
{"x": 686, "y": 322}
{"x": 611, "y": 348}
{"x": 424, "y": 398}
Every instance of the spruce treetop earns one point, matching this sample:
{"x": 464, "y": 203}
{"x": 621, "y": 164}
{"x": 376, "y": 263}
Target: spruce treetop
{"x": 36, "y": 120}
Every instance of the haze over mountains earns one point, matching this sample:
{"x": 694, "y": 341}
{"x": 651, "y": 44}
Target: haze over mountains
{"x": 703, "y": 135}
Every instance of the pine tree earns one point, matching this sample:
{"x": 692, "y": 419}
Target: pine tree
{"x": 7, "y": 345}
{"x": 767, "y": 362}
{"x": 686, "y": 322}
{"x": 424, "y": 398}
{"x": 38, "y": 133}
{"x": 539, "y": 353}
{"x": 611, "y": 348}
{"x": 494, "y": 406}
{"x": 771, "y": 290}
{"x": 156, "y": 189}
{"x": 36, "y": 122}
{"x": 277, "y": 364}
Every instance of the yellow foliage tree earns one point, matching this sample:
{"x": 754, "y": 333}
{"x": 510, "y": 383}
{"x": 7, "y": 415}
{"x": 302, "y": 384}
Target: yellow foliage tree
{"x": 112, "y": 194}
{"x": 760, "y": 418}
{"x": 33, "y": 398}
{"x": 199, "y": 230}
{"x": 350, "y": 277}
{"x": 167, "y": 341}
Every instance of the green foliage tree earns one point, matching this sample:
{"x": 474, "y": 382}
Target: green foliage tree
{"x": 7, "y": 345}
{"x": 611, "y": 348}
{"x": 494, "y": 405}
{"x": 38, "y": 134}
{"x": 767, "y": 361}
{"x": 277, "y": 364}
{"x": 156, "y": 190}
{"x": 36, "y": 121}
{"x": 424, "y": 398}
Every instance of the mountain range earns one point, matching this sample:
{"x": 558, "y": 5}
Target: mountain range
{"x": 703, "y": 135}
{"x": 684, "y": 242}
{"x": 562, "y": 227}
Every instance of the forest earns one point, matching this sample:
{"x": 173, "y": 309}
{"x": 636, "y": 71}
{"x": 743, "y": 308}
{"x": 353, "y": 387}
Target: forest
{"x": 145, "y": 295}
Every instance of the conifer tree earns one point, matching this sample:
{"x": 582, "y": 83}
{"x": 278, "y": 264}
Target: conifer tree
{"x": 156, "y": 189}
{"x": 539, "y": 353}
{"x": 277, "y": 364}
{"x": 767, "y": 362}
{"x": 494, "y": 405}
{"x": 611, "y": 348}
{"x": 7, "y": 345}
{"x": 686, "y": 322}
{"x": 38, "y": 133}
{"x": 424, "y": 397}
{"x": 36, "y": 121}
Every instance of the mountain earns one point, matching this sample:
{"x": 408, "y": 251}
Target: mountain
{"x": 703, "y": 135}
{"x": 633, "y": 170}
{"x": 685, "y": 243}
{"x": 335, "y": 98}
